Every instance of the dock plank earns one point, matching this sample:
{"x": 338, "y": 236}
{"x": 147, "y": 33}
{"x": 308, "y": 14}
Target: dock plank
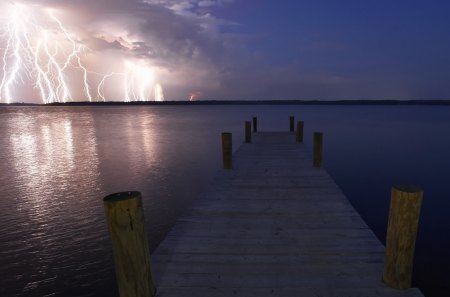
{"x": 271, "y": 226}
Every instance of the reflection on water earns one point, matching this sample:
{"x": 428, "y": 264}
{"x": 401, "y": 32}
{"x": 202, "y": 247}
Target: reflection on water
{"x": 140, "y": 141}
{"x": 57, "y": 164}
{"x": 46, "y": 157}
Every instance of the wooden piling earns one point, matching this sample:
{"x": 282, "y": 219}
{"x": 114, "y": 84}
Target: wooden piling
{"x": 318, "y": 147}
{"x": 248, "y": 132}
{"x": 299, "y": 132}
{"x": 125, "y": 219}
{"x": 255, "y": 124}
{"x": 291, "y": 124}
{"x": 227, "y": 148}
{"x": 401, "y": 236}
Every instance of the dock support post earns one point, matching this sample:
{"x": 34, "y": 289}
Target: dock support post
{"x": 318, "y": 147}
{"x": 291, "y": 124}
{"x": 248, "y": 132}
{"x": 255, "y": 124}
{"x": 401, "y": 236}
{"x": 125, "y": 218}
{"x": 227, "y": 148}
{"x": 299, "y": 132}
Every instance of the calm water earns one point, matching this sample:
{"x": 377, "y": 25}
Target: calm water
{"x": 57, "y": 164}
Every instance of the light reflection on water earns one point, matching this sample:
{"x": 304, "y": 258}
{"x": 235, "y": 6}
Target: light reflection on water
{"x": 48, "y": 177}
{"x": 58, "y": 163}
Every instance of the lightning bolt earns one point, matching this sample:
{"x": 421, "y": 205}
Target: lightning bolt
{"x": 138, "y": 83}
{"x": 47, "y": 54}
{"x": 34, "y": 51}
{"x": 159, "y": 93}
{"x": 77, "y": 48}
{"x": 101, "y": 85}
{"x": 13, "y": 48}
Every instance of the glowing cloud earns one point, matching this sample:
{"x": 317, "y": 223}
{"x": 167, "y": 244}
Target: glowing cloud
{"x": 39, "y": 51}
{"x": 139, "y": 81}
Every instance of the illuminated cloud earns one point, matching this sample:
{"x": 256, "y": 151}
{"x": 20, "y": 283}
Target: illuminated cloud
{"x": 245, "y": 49}
{"x": 183, "y": 44}
{"x": 172, "y": 39}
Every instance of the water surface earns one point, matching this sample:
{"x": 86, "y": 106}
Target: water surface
{"x": 57, "y": 163}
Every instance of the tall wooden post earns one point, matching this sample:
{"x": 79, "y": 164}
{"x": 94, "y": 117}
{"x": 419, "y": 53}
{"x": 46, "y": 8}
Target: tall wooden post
{"x": 255, "y": 124}
{"x": 125, "y": 218}
{"x": 248, "y": 132}
{"x": 291, "y": 124}
{"x": 299, "y": 132}
{"x": 404, "y": 215}
{"x": 227, "y": 148}
{"x": 318, "y": 147}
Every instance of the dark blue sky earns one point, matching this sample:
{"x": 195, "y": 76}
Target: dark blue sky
{"x": 348, "y": 49}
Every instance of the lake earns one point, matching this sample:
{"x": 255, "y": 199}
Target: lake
{"x": 57, "y": 163}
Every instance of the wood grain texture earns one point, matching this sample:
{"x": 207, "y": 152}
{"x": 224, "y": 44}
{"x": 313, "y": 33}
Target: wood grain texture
{"x": 126, "y": 226}
{"x": 272, "y": 226}
{"x": 404, "y": 216}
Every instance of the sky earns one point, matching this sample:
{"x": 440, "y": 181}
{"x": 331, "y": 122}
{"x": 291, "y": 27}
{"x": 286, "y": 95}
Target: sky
{"x": 226, "y": 50}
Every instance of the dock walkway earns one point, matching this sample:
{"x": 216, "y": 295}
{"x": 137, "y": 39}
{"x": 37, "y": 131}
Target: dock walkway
{"x": 272, "y": 226}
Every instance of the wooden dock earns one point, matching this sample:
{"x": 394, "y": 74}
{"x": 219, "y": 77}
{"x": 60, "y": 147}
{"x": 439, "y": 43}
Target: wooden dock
{"x": 272, "y": 226}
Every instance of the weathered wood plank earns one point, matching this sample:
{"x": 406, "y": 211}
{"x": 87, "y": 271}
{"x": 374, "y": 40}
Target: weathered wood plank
{"x": 286, "y": 292}
{"x": 296, "y": 258}
{"x": 272, "y": 226}
{"x": 266, "y": 280}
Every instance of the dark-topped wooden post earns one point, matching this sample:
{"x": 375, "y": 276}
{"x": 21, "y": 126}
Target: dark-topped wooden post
{"x": 248, "y": 132}
{"x": 291, "y": 124}
{"x": 318, "y": 147}
{"x": 125, "y": 218}
{"x": 299, "y": 132}
{"x": 227, "y": 148}
{"x": 401, "y": 236}
{"x": 255, "y": 124}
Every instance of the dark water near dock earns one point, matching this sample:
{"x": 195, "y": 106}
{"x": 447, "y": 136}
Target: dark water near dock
{"x": 57, "y": 163}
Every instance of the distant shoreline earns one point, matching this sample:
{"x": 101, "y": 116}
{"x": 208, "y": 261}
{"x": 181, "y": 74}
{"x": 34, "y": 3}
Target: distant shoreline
{"x": 243, "y": 102}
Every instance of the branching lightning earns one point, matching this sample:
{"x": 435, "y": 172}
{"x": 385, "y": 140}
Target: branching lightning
{"x": 138, "y": 83}
{"x": 39, "y": 50}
